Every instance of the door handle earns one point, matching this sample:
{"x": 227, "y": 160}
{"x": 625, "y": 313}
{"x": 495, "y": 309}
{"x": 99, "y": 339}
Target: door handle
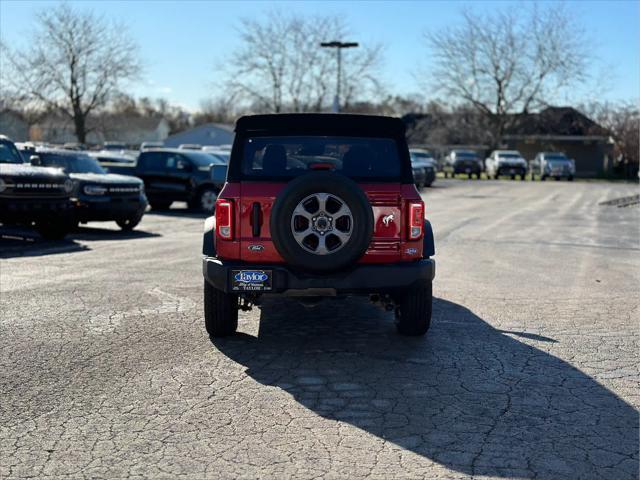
{"x": 255, "y": 219}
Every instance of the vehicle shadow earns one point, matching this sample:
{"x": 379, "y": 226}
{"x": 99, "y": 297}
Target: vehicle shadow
{"x": 467, "y": 396}
{"x": 21, "y": 244}
{"x": 93, "y": 234}
{"x": 179, "y": 212}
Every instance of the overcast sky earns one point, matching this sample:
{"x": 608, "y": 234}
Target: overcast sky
{"x": 183, "y": 43}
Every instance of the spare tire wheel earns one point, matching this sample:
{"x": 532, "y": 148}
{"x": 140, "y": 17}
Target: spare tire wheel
{"x": 321, "y": 221}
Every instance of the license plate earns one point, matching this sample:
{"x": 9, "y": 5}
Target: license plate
{"x": 251, "y": 280}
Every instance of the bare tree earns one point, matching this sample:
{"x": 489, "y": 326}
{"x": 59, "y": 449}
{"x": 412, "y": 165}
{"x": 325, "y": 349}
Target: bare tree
{"x": 75, "y": 64}
{"x": 280, "y": 64}
{"x": 510, "y": 61}
{"x": 217, "y": 110}
{"x": 623, "y": 121}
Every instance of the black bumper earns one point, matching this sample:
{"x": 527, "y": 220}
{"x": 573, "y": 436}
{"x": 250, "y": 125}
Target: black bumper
{"x": 24, "y": 210}
{"x": 364, "y": 278}
{"x": 109, "y": 208}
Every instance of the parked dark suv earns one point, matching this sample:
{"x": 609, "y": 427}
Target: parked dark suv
{"x": 98, "y": 195}
{"x": 174, "y": 175}
{"x": 319, "y": 205}
{"x": 34, "y": 196}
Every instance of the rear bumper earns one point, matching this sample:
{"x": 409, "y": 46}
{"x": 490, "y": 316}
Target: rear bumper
{"x": 362, "y": 278}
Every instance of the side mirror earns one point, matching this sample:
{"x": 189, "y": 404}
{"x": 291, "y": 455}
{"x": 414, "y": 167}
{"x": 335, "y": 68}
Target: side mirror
{"x": 218, "y": 173}
{"x": 35, "y": 160}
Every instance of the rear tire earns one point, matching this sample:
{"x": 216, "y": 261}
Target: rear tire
{"x": 220, "y": 312}
{"x": 413, "y": 314}
{"x": 522, "y": 177}
{"x": 570, "y": 178}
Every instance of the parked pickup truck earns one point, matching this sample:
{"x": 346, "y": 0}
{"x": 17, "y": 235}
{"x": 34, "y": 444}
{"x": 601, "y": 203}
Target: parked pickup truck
{"x": 173, "y": 175}
{"x": 506, "y": 162}
{"x": 552, "y": 164}
{"x": 466, "y": 162}
{"x": 319, "y": 205}
{"x": 34, "y": 196}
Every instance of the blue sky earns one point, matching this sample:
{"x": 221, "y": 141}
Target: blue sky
{"x": 183, "y": 43}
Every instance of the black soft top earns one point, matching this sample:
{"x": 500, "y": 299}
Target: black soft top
{"x": 322, "y": 124}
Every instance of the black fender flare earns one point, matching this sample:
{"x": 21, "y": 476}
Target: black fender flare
{"x": 428, "y": 241}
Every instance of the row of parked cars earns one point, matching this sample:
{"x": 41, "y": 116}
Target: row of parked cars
{"x": 54, "y": 189}
{"x": 501, "y": 163}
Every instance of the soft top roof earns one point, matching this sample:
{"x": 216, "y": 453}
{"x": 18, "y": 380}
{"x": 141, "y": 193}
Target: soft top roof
{"x": 322, "y": 124}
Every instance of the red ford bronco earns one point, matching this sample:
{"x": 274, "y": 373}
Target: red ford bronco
{"x": 318, "y": 205}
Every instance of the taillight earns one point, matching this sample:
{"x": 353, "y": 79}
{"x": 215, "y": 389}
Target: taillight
{"x": 224, "y": 218}
{"x": 416, "y": 220}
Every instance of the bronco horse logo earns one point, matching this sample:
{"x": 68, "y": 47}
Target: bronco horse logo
{"x": 387, "y": 219}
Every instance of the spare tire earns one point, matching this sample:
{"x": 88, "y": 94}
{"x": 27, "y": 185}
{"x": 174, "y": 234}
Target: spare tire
{"x": 321, "y": 221}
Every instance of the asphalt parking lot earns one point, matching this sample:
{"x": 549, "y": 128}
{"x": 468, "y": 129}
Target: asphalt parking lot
{"x": 530, "y": 369}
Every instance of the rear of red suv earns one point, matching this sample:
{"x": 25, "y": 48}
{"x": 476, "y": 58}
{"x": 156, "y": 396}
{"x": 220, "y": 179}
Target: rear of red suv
{"x": 319, "y": 205}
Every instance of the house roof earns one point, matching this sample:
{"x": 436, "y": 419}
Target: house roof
{"x": 555, "y": 121}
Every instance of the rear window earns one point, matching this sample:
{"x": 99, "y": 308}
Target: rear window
{"x": 286, "y": 157}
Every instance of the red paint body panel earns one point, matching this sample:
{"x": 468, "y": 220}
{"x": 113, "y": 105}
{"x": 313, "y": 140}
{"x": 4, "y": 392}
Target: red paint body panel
{"x": 388, "y": 245}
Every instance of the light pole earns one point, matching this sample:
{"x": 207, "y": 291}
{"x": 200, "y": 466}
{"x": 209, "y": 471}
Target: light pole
{"x": 338, "y": 46}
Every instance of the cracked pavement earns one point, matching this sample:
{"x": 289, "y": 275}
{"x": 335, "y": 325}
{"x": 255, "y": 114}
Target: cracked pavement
{"x": 530, "y": 369}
